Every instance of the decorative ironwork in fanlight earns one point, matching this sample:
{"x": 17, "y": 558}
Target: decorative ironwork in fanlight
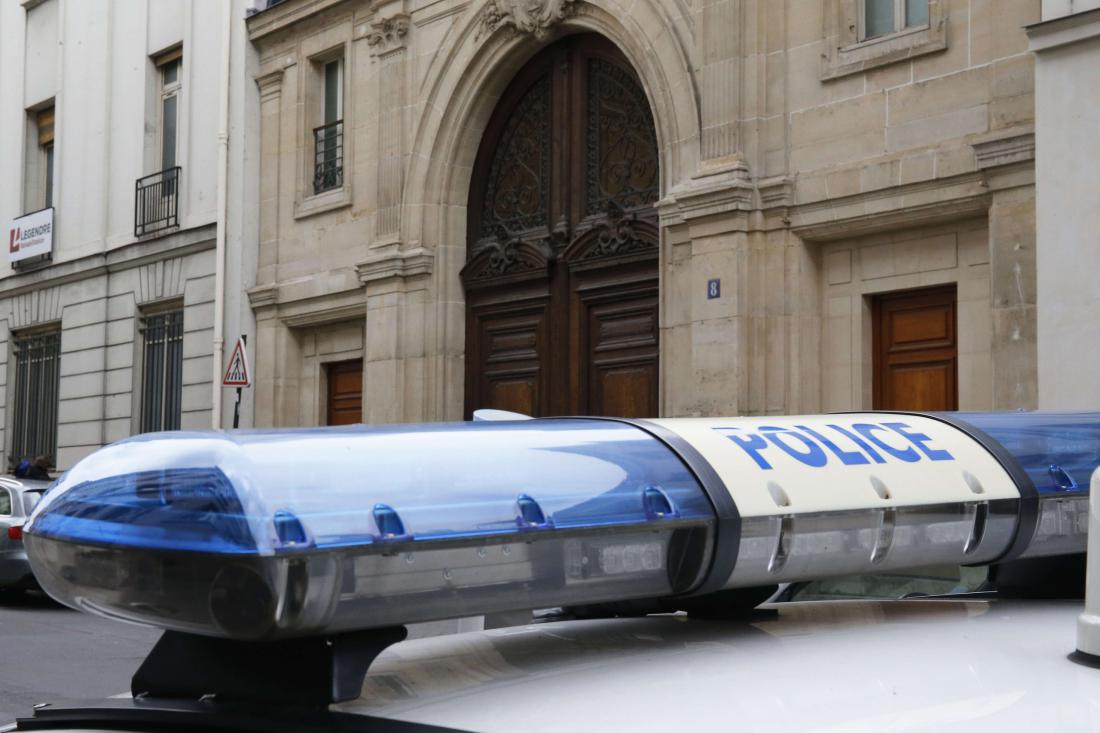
{"x": 622, "y": 166}
{"x": 517, "y": 195}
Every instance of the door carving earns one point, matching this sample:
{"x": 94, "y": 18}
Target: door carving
{"x": 561, "y": 276}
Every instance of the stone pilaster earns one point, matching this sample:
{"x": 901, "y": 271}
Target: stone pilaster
{"x": 271, "y": 97}
{"x": 719, "y": 30}
{"x": 387, "y": 39}
{"x": 395, "y": 361}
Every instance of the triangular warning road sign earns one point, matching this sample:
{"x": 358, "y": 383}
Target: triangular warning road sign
{"x": 237, "y": 374}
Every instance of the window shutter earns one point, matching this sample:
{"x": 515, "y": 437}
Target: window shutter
{"x": 45, "y": 126}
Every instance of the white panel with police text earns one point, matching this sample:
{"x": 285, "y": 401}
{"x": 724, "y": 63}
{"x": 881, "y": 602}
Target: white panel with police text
{"x": 821, "y": 463}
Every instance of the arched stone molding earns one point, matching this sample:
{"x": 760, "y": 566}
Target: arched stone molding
{"x": 463, "y": 86}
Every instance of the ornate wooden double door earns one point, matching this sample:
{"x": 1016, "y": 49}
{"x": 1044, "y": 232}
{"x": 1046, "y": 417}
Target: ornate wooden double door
{"x": 562, "y": 272}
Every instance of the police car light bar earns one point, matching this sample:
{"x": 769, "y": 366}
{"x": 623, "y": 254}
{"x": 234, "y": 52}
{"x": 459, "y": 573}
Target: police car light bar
{"x": 278, "y": 534}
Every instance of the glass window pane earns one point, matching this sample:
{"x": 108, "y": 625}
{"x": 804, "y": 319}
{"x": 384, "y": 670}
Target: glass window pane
{"x": 332, "y": 91}
{"x": 879, "y": 17}
{"x": 5, "y": 502}
{"x": 916, "y": 13}
{"x": 171, "y": 72}
{"x": 168, "y": 137}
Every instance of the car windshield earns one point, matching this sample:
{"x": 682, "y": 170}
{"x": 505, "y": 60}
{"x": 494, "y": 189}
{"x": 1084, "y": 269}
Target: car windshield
{"x": 30, "y": 499}
{"x": 934, "y": 581}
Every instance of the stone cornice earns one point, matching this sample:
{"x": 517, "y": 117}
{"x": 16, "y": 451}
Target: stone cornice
{"x": 775, "y": 193}
{"x": 325, "y": 315}
{"x": 270, "y": 84}
{"x": 1063, "y": 31}
{"x": 124, "y": 257}
{"x": 868, "y": 222}
{"x": 403, "y": 264}
{"x": 708, "y": 195}
{"x": 263, "y": 296}
{"x": 285, "y": 14}
{"x": 1005, "y": 147}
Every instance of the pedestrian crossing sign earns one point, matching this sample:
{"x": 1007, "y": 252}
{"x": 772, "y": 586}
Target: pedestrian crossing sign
{"x": 237, "y": 374}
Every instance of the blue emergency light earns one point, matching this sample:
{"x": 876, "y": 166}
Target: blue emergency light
{"x": 276, "y": 534}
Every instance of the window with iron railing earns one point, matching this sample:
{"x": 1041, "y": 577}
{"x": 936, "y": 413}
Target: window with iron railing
{"x": 328, "y": 166}
{"x": 328, "y": 139}
{"x": 162, "y": 371}
{"x": 37, "y": 378}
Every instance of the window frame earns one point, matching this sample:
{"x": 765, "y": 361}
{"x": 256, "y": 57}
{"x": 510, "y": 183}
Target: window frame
{"x": 38, "y": 173}
{"x": 142, "y": 420}
{"x": 336, "y": 141}
{"x": 901, "y": 15}
{"x": 848, "y": 51}
{"x": 165, "y": 91}
{"x": 316, "y": 51}
{"x": 18, "y": 338}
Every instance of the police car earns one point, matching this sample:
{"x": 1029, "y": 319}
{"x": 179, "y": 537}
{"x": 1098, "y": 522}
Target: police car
{"x": 284, "y": 585}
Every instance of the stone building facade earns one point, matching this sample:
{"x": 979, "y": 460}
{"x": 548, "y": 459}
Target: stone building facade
{"x": 1066, "y": 44}
{"x": 110, "y": 130}
{"x": 684, "y": 207}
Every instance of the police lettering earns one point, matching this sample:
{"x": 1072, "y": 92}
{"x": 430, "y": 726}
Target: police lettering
{"x": 857, "y": 444}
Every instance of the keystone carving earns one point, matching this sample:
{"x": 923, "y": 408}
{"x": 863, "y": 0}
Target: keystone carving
{"x": 388, "y": 34}
{"x": 533, "y": 17}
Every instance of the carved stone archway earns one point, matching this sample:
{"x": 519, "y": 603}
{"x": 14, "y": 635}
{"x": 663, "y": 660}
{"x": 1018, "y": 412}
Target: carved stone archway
{"x": 476, "y": 61}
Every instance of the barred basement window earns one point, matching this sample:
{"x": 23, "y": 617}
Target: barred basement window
{"x": 162, "y": 371}
{"x": 37, "y": 372}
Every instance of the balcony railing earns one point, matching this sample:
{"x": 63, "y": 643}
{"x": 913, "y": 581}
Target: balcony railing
{"x": 156, "y": 204}
{"x": 328, "y": 156}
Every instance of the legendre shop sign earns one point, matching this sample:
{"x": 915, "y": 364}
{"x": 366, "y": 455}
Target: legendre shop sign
{"x": 31, "y": 235}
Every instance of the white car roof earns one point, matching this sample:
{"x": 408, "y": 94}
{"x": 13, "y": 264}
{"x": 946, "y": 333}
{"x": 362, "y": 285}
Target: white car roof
{"x": 822, "y": 666}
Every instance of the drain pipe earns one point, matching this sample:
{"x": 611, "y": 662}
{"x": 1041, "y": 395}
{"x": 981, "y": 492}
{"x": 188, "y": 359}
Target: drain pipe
{"x": 223, "y": 205}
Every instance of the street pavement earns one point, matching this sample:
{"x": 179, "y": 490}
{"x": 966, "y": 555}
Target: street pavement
{"x": 49, "y": 653}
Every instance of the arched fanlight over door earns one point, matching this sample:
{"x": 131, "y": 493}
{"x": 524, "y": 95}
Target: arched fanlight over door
{"x": 561, "y": 279}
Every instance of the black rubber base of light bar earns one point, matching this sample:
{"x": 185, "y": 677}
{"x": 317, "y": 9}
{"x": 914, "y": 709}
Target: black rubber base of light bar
{"x": 1084, "y": 659}
{"x": 311, "y": 672}
{"x": 151, "y": 714}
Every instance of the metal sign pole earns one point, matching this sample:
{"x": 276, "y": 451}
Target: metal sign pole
{"x": 237, "y": 404}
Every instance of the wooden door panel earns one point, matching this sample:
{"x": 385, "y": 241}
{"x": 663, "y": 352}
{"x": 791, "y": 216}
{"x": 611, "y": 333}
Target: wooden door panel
{"x": 922, "y": 386}
{"x": 624, "y": 390}
{"x": 344, "y": 404}
{"x": 916, "y": 350}
{"x": 618, "y": 354}
{"x": 922, "y": 327}
{"x": 508, "y": 352}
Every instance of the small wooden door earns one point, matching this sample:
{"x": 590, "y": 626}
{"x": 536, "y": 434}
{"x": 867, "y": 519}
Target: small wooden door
{"x": 916, "y": 352}
{"x": 562, "y": 273}
{"x": 345, "y": 393}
